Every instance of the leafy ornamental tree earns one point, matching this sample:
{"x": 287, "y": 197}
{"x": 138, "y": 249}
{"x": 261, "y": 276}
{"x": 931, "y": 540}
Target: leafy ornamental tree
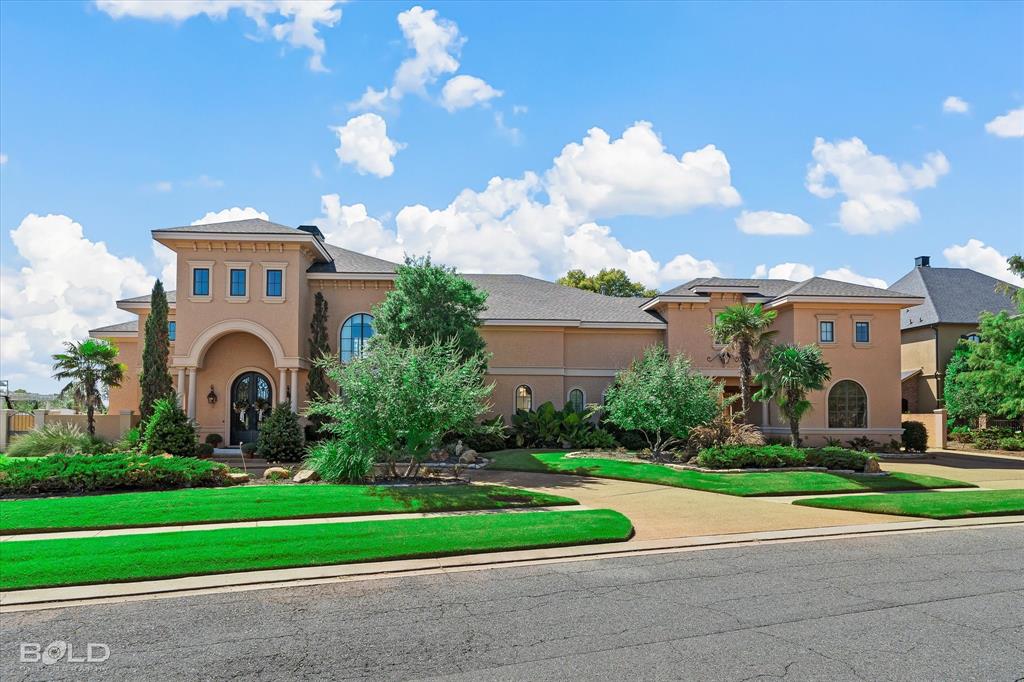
{"x": 155, "y": 380}
{"x": 790, "y": 372}
{"x": 399, "y": 401}
{"x": 743, "y": 329}
{"x": 90, "y": 367}
{"x": 431, "y": 303}
{"x": 1016, "y": 265}
{"x": 169, "y": 430}
{"x": 281, "y": 438}
{"x": 662, "y": 398}
{"x": 963, "y": 399}
{"x": 317, "y": 387}
{"x": 997, "y": 363}
{"x": 612, "y": 282}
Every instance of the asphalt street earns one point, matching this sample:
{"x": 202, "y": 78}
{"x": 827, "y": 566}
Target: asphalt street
{"x": 945, "y": 605}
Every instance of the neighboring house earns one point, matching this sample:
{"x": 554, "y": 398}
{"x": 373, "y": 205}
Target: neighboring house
{"x": 240, "y": 327}
{"x": 954, "y": 298}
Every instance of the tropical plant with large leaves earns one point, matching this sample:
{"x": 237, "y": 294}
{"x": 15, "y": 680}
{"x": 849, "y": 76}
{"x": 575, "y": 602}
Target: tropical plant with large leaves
{"x": 790, "y": 373}
{"x": 89, "y": 367}
{"x": 743, "y": 329}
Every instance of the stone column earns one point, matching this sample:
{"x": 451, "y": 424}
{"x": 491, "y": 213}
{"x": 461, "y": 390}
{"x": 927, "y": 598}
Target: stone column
{"x": 181, "y": 386}
{"x": 282, "y": 380}
{"x": 192, "y": 381}
{"x": 295, "y": 389}
{"x": 124, "y": 422}
{"x": 4, "y": 412}
{"x": 39, "y": 417}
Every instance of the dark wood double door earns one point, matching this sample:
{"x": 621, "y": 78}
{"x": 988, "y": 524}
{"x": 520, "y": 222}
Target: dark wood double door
{"x": 251, "y": 403}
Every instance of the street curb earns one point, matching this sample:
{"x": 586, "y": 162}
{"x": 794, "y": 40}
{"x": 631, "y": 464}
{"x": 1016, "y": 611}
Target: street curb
{"x": 47, "y": 598}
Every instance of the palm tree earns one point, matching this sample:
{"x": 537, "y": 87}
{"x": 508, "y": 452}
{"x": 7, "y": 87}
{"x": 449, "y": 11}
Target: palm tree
{"x": 742, "y": 328}
{"x": 789, "y": 373}
{"x": 87, "y": 365}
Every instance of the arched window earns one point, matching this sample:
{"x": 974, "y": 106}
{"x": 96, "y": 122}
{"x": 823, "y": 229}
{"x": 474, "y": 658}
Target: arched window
{"x": 847, "y": 406}
{"x": 356, "y": 331}
{"x": 974, "y": 338}
{"x": 576, "y": 400}
{"x": 524, "y": 398}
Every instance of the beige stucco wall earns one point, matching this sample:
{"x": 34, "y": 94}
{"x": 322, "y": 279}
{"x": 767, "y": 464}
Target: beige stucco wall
{"x": 930, "y": 348}
{"x": 109, "y": 427}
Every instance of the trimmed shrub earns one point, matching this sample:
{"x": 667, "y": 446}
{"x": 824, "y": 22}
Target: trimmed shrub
{"x": 281, "y": 438}
{"x": 204, "y": 450}
{"x": 989, "y": 438}
{"x": 117, "y": 471}
{"x": 748, "y": 456}
{"x": 724, "y": 429}
{"x": 214, "y": 439}
{"x": 863, "y": 443}
{"x": 169, "y": 430}
{"x": 336, "y": 462}
{"x": 1012, "y": 443}
{"x": 597, "y": 439}
{"x": 248, "y": 449}
{"x": 838, "y": 458}
{"x": 53, "y": 439}
{"x": 915, "y": 437}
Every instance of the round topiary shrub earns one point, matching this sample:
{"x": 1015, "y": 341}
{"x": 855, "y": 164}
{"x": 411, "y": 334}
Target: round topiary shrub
{"x": 169, "y": 430}
{"x": 915, "y": 437}
{"x": 204, "y": 450}
{"x": 214, "y": 439}
{"x": 281, "y": 438}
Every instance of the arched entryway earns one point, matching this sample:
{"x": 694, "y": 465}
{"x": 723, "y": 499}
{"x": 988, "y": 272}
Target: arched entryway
{"x": 252, "y": 399}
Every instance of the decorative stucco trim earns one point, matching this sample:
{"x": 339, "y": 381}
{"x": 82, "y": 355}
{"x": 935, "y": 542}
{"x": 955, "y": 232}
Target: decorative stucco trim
{"x": 159, "y": 235}
{"x": 551, "y": 372}
{"x": 574, "y": 323}
{"x": 139, "y": 305}
{"x": 230, "y": 265}
{"x": 267, "y": 267}
{"x": 903, "y": 302}
{"x": 669, "y": 298}
{"x": 197, "y": 351}
{"x": 351, "y": 275}
{"x": 114, "y": 335}
{"x": 822, "y": 431}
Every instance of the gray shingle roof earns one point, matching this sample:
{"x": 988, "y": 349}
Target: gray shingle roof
{"x": 819, "y": 286}
{"x": 952, "y": 296}
{"x": 129, "y": 326}
{"x": 172, "y": 297}
{"x": 247, "y": 226}
{"x": 776, "y": 288}
{"x": 518, "y": 297}
{"x": 347, "y": 261}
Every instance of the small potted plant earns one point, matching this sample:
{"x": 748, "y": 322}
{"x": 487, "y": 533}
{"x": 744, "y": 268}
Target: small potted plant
{"x": 248, "y": 450}
{"x": 214, "y": 439}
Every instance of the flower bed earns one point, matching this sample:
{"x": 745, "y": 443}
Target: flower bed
{"x": 116, "y": 471}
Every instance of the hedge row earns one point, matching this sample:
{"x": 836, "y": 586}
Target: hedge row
{"x": 778, "y": 456}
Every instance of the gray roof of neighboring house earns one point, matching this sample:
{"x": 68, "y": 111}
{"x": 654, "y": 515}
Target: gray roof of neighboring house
{"x": 518, "y": 297}
{"x": 347, "y": 261}
{"x": 952, "y": 296}
{"x": 247, "y": 226}
{"x": 777, "y": 288}
{"x": 171, "y": 298}
{"x": 129, "y": 326}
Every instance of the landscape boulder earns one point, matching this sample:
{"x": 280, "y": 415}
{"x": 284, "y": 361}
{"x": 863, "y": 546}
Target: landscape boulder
{"x": 275, "y": 473}
{"x": 468, "y": 457}
{"x": 871, "y": 466}
{"x": 306, "y": 476}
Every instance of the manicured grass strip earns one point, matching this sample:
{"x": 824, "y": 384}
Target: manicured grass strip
{"x": 743, "y": 485}
{"x": 218, "y": 505}
{"x": 122, "y": 558}
{"x": 929, "y": 505}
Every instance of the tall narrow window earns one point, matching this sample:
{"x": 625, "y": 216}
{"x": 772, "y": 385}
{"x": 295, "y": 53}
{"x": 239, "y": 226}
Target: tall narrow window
{"x": 847, "y": 406}
{"x": 524, "y": 398}
{"x": 576, "y": 400}
{"x": 827, "y": 331}
{"x": 274, "y": 283}
{"x": 237, "y": 282}
{"x": 201, "y": 282}
{"x": 356, "y": 331}
{"x": 862, "y": 332}
{"x": 172, "y": 330}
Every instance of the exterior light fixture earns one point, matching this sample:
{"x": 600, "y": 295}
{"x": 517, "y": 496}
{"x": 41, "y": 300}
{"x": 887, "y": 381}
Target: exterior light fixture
{"x": 211, "y": 397}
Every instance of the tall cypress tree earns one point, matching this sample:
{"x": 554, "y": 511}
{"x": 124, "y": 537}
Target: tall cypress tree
{"x": 317, "y": 387}
{"x": 154, "y": 379}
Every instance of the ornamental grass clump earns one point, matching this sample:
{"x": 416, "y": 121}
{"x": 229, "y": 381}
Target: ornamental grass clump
{"x": 336, "y": 462}
{"x": 52, "y": 439}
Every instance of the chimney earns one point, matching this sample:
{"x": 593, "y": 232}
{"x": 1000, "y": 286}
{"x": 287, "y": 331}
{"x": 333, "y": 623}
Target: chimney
{"x": 923, "y": 262}
{"x": 313, "y": 230}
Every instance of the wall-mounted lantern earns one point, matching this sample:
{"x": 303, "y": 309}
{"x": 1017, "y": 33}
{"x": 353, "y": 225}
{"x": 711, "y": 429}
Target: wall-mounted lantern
{"x": 211, "y": 397}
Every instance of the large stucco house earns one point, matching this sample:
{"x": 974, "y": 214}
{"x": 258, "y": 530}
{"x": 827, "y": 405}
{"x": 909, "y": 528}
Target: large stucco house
{"x": 954, "y": 299}
{"x": 241, "y": 314}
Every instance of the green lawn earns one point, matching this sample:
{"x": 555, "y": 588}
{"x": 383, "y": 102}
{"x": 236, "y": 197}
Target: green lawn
{"x": 217, "y": 505}
{"x": 122, "y": 558}
{"x": 929, "y": 505}
{"x": 743, "y": 485}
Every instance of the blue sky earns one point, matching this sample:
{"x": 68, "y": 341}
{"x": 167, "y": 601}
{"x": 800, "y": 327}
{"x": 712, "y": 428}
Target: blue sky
{"x": 119, "y": 117}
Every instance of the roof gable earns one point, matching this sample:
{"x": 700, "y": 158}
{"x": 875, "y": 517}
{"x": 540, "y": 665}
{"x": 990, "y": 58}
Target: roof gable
{"x": 952, "y": 296}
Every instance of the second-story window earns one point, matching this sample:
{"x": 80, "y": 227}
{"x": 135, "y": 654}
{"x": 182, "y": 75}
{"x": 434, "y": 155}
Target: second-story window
{"x": 862, "y": 332}
{"x": 201, "y": 282}
{"x": 237, "y": 282}
{"x": 274, "y": 283}
{"x": 827, "y": 331}
{"x": 172, "y": 330}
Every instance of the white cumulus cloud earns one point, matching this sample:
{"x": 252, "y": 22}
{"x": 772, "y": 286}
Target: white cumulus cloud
{"x": 363, "y": 142}
{"x": 798, "y": 272}
{"x": 636, "y": 175}
{"x": 294, "y": 22}
{"x": 974, "y": 254}
{"x": 955, "y": 105}
{"x": 772, "y": 223}
{"x": 874, "y": 187}
{"x": 531, "y": 226}
{"x": 67, "y": 285}
{"x": 462, "y": 92}
{"x": 1010, "y": 124}
{"x": 845, "y": 274}
{"x": 229, "y": 214}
